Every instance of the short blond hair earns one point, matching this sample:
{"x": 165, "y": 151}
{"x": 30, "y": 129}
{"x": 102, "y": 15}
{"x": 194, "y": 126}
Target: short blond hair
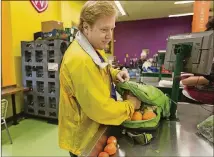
{"x": 93, "y": 10}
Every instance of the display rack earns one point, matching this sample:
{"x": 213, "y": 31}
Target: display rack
{"x": 40, "y": 70}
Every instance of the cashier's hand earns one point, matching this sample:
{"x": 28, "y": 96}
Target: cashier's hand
{"x": 123, "y": 76}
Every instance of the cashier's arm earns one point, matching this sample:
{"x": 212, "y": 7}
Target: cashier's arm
{"x": 195, "y": 80}
{"x": 93, "y": 96}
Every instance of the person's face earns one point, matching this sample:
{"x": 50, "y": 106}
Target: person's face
{"x": 100, "y": 34}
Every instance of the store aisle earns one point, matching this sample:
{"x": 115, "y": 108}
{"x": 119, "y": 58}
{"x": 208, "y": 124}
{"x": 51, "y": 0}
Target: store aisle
{"x": 32, "y": 138}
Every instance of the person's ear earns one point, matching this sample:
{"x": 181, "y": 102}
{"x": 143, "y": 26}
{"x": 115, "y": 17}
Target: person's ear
{"x": 85, "y": 27}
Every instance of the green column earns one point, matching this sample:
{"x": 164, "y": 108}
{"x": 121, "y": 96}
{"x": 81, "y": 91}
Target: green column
{"x": 161, "y": 57}
{"x": 183, "y": 52}
{"x": 176, "y": 85}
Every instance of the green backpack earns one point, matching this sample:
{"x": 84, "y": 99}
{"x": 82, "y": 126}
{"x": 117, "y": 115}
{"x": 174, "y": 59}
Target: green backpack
{"x": 149, "y": 96}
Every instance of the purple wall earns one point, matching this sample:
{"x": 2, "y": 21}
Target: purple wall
{"x": 133, "y": 36}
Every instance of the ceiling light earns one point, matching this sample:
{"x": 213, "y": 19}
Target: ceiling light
{"x": 178, "y": 15}
{"x": 183, "y": 2}
{"x": 120, "y": 8}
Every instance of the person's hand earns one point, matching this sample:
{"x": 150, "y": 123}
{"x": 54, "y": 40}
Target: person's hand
{"x": 135, "y": 101}
{"x": 123, "y": 76}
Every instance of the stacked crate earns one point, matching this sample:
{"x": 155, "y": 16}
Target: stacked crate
{"x": 40, "y": 68}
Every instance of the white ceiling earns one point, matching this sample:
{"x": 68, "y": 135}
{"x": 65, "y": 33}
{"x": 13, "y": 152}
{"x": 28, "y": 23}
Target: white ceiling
{"x": 137, "y": 10}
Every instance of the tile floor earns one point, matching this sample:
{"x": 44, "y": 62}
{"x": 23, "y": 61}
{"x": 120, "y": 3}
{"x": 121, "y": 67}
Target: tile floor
{"x": 32, "y": 138}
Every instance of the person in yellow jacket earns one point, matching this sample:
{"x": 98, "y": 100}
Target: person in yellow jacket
{"x": 87, "y": 94}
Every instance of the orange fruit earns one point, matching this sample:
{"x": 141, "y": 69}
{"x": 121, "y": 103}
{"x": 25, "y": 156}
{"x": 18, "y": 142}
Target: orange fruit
{"x": 148, "y": 115}
{"x": 137, "y": 116}
{"x": 103, "y": 154}
{"x": 112, "y": 139}
{"x": 110, "y": 149}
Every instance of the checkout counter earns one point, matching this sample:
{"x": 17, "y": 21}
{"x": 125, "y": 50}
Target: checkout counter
{"x": 177, "y": 136}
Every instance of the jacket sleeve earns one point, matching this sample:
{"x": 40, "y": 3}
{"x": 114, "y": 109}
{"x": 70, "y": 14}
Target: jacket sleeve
{"x": 114, "y": 73}
{"x": 93, "y": 96}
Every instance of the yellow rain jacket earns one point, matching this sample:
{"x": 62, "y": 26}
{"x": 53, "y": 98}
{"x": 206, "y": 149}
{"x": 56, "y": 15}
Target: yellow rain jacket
{"x": 83, "y": 82}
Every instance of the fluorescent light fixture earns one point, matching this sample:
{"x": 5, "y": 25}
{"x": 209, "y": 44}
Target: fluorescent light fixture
{"x": 119, "y": 6}
{"x": 178, "y": 15}
{"x": 161, "y": 51}
{"x": 183, "y": 2}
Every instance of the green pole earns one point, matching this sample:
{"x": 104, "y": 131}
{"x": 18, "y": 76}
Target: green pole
{"x": 182, "y": 52}
{"x": 160, "y": 72}
{"x": 176, "y": 84}
{"x": 161, "y": 57}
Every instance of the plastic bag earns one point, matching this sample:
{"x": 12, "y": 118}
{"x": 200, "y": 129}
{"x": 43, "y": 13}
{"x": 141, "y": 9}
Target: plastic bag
{"x": 205, "y": 128}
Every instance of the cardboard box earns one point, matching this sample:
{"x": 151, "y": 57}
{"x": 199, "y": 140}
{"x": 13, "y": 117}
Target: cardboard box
{"x": 48, "y": 26}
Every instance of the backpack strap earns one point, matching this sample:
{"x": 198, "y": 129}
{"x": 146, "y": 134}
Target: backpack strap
{"x": 140, "y": 138}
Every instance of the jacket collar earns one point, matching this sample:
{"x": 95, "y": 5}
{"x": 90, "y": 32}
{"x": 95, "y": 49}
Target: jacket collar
{"x": 84, "y": 43}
